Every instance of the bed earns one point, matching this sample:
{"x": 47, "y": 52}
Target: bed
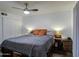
{"x": 32, "y": 45}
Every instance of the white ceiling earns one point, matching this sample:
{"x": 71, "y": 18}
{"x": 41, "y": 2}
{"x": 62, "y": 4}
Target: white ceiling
{"x": 43, "y": 6}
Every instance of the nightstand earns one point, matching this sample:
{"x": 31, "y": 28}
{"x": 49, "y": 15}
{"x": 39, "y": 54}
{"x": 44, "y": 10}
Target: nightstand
{"x": 63, "y": 45}
{"x": 58, "y": 45}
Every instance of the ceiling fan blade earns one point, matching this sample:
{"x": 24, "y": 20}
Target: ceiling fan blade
{"x": 33, "y": 10}
{"x": 17, "y": 8}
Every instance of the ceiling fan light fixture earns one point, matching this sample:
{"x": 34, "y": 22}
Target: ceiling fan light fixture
{"x": 26, "y": 12}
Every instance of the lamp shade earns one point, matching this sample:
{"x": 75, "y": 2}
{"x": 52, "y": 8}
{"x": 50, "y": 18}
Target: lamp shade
{"x": 58, "y": 34}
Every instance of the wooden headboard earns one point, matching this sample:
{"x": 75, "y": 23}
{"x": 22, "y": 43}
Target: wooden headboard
{"x": 39, "y": 32}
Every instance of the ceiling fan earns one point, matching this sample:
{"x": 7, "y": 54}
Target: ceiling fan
{"x": 26, "y": 9}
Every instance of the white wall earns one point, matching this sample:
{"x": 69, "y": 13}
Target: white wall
{"x": 0, "y": 29}
{"x": 12, "y": 25}
{"x": 62, "y": 19}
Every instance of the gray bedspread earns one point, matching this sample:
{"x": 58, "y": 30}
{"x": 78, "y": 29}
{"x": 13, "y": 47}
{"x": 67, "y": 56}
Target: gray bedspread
{"x": 33, "y": 46}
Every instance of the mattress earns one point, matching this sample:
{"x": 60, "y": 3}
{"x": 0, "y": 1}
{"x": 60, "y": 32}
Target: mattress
{"x": 31, "y": 45}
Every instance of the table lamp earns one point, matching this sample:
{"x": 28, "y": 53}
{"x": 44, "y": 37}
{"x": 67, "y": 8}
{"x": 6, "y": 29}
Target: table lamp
{"x": 58, "y": 34}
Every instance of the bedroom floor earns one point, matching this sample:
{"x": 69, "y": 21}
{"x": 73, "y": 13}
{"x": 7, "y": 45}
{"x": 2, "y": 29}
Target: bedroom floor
{"x": 53, "y": 55}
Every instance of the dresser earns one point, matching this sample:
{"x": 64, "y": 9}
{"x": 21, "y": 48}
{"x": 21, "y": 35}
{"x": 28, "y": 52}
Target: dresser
{"x": 67, "y": 45}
